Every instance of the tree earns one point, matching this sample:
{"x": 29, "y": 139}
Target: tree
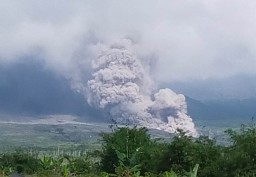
{"x": 241, "y": 160}
{"x": 131, "y": 146}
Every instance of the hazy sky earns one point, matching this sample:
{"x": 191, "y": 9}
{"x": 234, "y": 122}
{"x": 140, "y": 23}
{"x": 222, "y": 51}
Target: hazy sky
{"x": 186, "y": 40}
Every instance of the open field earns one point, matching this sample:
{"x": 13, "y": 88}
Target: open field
{"x": 50, "y": 136}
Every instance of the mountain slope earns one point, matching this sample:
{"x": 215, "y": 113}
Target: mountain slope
{"x": 228, "y": 111}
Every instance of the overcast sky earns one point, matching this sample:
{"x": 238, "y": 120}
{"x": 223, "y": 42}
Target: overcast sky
{"x": 187, "y": 39}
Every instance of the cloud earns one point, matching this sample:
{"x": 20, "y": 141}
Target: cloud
{"x": 190, "y": 39}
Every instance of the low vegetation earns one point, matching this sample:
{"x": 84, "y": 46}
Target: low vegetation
{"x": 130, "y": 152}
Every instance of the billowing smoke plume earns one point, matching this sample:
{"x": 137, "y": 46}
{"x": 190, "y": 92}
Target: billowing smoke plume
{"x": 121, "y": 87}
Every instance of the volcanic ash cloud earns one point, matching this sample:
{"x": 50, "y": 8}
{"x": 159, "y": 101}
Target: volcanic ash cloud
{"x": 122, "y": 88}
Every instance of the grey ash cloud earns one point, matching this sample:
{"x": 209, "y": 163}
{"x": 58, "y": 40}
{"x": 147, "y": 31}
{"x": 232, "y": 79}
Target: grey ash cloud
{"x": 122, "y": 88}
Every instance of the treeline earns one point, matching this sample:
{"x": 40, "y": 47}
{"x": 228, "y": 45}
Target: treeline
{"x": 130, "y": 152}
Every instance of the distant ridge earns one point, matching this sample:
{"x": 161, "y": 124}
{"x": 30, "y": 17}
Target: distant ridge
{"x": 233, "y": 110}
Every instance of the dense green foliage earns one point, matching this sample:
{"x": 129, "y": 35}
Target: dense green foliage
{"x": 130, "y": 152}
{"x": 133, "y": 147}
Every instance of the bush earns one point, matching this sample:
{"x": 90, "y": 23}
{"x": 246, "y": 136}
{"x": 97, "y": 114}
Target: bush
{"x": 241, "y": 157}
{"x": 19, "y": 161}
